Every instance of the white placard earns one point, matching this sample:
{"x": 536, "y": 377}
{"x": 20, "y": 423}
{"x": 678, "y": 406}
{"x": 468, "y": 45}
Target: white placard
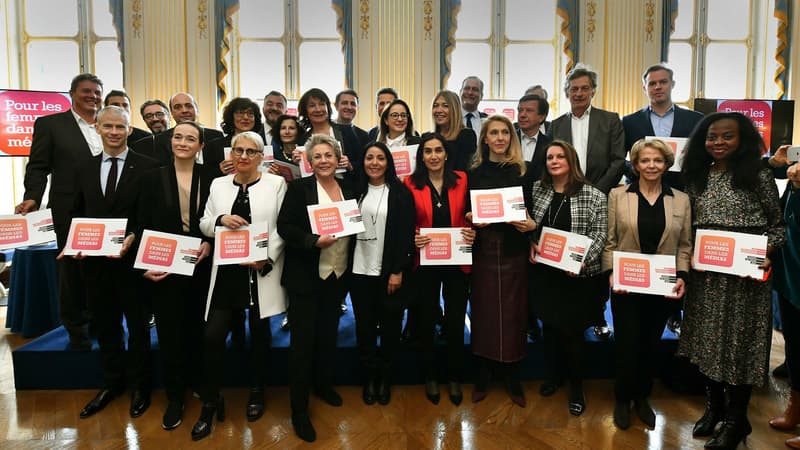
{"x": 95, "y": 237}
{"x": 337, "y": 219}
{"x": 166, "y": 252}
{"x": 497, "y": 205}
{"x": 267, "y": 160}
{"x": 244, "y": 244}
{"x": 31, "y": 229}
{"x": 562, "y": 249}
{"x": 645, "y": 274}
{"x": 405, "y": 159}
{"x": 677, "y": 144}
{"x": 288, "y": 171}
{"x": 729, "y": 252}
{"x": 447, "y": 248}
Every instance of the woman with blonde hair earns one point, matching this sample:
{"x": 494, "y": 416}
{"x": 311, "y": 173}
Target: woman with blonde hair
{"x": 446, "y": 110}
{"x": 500, "y": 263}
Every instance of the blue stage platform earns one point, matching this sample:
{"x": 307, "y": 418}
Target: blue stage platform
{"x": 48, "y": 363}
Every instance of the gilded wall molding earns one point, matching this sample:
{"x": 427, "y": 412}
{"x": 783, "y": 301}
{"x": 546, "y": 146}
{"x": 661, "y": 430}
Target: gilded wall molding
{"x": 591, "y": 22}
{"x": 364, "y": 19}
{"x": 649, "y": 23}
{"x": 428, "y": 19}
{"x": 202, "y": 18}
{"x": 136, "y": 18}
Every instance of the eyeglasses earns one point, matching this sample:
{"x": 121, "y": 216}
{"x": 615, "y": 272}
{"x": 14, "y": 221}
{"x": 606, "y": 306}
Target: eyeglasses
{"x": 244, "y": 113}
{"x": 251, "y": 152}
{"x": 398, "y": 116}
{"x": 157, "y": 115}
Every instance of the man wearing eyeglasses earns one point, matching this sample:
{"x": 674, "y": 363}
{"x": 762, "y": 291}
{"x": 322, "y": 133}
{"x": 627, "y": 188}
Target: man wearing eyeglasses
{"x": 598, "y": 137}
{"x": 346, "y": 104}
{"x": 155, "y": 115}
{"x": 121, "y": 99}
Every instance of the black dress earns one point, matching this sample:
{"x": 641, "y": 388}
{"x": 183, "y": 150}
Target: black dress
{"x": 550, "y": 284}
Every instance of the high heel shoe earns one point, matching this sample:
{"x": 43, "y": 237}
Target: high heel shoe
{"x": 791, "y": 416}
{"x": 730, "y": 434}
{"x": 255, "y": 404}
{"x": 577, "y": 401}
{"x": 202, "y": 428}
{"x": 432, "y": 391}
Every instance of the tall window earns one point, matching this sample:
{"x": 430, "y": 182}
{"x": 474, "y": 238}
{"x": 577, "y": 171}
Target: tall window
{"x": 61, "y": 38}
{"x": 510, "y": 44}
{"x": 723, "y": 49}
{"x": 286, "y": 45}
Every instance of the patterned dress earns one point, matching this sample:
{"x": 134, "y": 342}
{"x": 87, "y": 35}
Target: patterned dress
{"x": 727, "y": 329}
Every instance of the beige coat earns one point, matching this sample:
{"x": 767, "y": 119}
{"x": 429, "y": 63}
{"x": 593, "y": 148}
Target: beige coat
{"x": 623, "y": 228}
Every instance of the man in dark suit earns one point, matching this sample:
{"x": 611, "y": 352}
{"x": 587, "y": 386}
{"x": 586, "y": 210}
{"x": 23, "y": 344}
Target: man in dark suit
{"x": 661, "y": 117}
{"x": 108, "y": 186}
{"x": 121, "y": 99}
{"x": 598, "y": 137}
{"x": 159, "y": 147}
{"x": 156, "y": 115}
{"x": 383, "y": 97}
{"x": 274, "y": 107}
{"x": 471, "y": 96}
{"x": 537, "y": 89}
{"x": 532, "y": 110}
{"x": 61, "y": 142}
{"x": 346, "y": 105}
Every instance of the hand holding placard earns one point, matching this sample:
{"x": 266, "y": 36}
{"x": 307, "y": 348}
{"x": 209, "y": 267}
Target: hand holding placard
{"x": 24, "y": 230}
{"x": 731, "y": 253}
{"x": 562, "y": 249}
{"x": 95, "y": 237}
{"x": 167, "y": 253}
{"x": 337, "y": 219}
{"x": 497, "y": 205}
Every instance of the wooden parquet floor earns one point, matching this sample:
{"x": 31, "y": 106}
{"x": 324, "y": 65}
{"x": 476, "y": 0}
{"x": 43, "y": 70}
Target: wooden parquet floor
{"x": 49, "y": 419}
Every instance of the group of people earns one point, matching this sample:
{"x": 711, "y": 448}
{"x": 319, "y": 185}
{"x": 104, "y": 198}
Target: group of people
{"x": 190, "y": 180}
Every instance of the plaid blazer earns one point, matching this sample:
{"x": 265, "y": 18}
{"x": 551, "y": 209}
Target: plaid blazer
{"x": 589, "y": 211}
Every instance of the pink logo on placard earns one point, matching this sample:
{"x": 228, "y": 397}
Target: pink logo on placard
{"x": 328, "y": 221}
{"x": 552, "y": 247}
{"x": 13, "y": 231}
{"x": 234, "y": 244}
{"x": 716, "y": 250}
{"x": 159, "y": 251}
{"x": 439, "y": 247}
{"x": 634, "y": 272}
{"x": 88, "y": 236}
{"x": 511, "y": 113}
{"x": 18, "y": 111}
{"x": 489, "y": 110}
{"x": 402, "y": 162}
{"x": 489, "y": 205}
{"x": 759, "y": 112}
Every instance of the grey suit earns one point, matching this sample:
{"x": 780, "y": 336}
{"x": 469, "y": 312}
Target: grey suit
{"x": 605, "y": 152}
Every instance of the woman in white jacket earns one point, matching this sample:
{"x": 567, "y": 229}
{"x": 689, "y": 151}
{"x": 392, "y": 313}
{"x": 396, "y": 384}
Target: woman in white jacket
{"x": 237, "y": 200}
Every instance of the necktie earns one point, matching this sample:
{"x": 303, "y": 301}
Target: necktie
{"x": 468, "y": 118}
{"x": 111, "y": 181}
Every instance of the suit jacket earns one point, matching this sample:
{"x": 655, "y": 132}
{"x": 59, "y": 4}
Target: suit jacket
{"x": 138, "y": 134}
{"x": 301, "y": 272}
{"x": 588, "y": 210}
{"x": 605, "y": 150}
{"x": 266, "y": 198}
{"x": 362, "y": 137}
{"x": 637, "y": 125}
{"x": 159, "y": 146}
{"x": 58, "y": 149}
{"x": 127, "y": 199}
{"x": 538, "y": 161}
{"x": 398, "y": 243}
{"x": 623, "y": 226}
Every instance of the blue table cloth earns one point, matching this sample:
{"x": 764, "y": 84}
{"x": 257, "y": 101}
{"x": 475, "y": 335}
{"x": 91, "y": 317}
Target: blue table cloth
{"x": 33, "y": 298}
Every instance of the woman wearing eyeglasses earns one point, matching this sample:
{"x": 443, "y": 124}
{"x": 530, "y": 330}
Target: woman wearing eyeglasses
{"x": 239, "y": 115}
{"x": 237, "y": 200}
{"x": 397, "y": 126}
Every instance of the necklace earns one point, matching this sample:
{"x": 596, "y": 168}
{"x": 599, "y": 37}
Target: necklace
{"x": 438, "y": 197}
{"x": 374, "y": 217}
{"x": 550, "y": 210}
{"x": 288, "y": 156}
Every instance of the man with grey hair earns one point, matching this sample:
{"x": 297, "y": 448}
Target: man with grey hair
{"x": 599, "y": 140}
{"x": 108, "y": 186}
{"x": 471, "y": 96}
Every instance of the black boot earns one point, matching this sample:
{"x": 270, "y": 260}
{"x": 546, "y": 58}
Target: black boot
{"x": 736, "y": 427}
{"x": 370, "y": 391}
{"x": 255, "y": 404}
{"x": 202, "y": 427}
{"x": 715, "y": 408}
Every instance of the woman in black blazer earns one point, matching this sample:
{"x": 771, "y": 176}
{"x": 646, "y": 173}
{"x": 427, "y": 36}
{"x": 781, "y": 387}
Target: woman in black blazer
{"x": 239, "y": 115}
{"x": 176, "y": 196}
{"x": 397, "y": 126}
{"x": 446, "y": 111}
{"x": 381, "y": 257}
{"x": 315, "y": 276}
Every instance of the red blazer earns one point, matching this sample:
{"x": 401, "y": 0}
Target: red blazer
{"x": 457, "y": 198}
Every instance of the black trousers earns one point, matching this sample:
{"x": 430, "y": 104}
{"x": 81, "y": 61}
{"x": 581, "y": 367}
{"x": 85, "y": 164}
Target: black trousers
{"x": 216, "y": 331}
{"x": 563, "y": 352}
{"x": 790, "y": 316}
{"x": 454, "y": 286}
{"x": 179, "y": 306}
{"x": 372, "y": 305}
{"x": 639, "y": 322}
{"x": 72, "y": 295}
{"x": 312, "y": 349}
{"x": 112, "y": 291}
